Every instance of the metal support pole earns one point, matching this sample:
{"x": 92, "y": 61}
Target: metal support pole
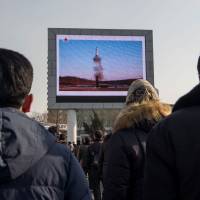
{"x": 71, "y": 126}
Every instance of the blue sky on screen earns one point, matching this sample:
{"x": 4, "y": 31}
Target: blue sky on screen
{"x": 120, "y": 59}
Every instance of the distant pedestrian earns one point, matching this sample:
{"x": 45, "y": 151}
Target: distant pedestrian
{"x": 126, "y": 148}
{"x": 93, "y": 164}
{"x": 103, "y": 158}
{"x": 83, "y": 154}
{"x": 62, "y": 139}
{"x": 53, "y": 130}
{"x": 71, "y": 146}
{"x": 75, "y": 149}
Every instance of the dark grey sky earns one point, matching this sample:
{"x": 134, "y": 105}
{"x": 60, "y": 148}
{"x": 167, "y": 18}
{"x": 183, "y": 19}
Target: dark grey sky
{"x": 175, "y": 25}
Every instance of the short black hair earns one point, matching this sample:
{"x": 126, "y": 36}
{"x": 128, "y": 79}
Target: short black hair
{"x": 16, "y": 77}
{"x": 86, "y": 141}
{"x": 198, "y": 67}
{"x": 98, "y": 134}
{"x": 53, "y": 130}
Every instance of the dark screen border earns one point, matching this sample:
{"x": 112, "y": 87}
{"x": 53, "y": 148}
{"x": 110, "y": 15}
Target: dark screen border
{"x": 90, "y": 99}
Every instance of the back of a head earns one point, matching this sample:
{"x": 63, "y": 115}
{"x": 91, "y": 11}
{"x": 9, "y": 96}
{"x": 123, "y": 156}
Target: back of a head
{"x": 16, "y": 76}
{"x": 98, "y": 135}
{"x": 107, "y": 137}
{"x": 198, "y": 67}
{"x": 63, "y": 137}
{"x": 86, "y": 141}
{"x": 53, "y": 130}
{"x": 141, "y": 90}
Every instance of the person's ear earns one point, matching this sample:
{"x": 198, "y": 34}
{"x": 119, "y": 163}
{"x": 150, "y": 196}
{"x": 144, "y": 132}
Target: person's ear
{"x": 26, "y": 107}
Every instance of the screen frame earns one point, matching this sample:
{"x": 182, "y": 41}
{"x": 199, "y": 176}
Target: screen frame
{"x": 91, "y": 102}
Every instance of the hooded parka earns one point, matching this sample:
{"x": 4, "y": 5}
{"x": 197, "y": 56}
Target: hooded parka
{"x": 125, "y": 152}
{"x": 33, "y": 166}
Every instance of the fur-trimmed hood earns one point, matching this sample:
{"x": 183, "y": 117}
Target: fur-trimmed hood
{"x": 143, "y": 115}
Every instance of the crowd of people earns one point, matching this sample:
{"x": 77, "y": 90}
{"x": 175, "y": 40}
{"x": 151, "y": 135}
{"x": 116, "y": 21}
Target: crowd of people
{"x": 150, "y": 154}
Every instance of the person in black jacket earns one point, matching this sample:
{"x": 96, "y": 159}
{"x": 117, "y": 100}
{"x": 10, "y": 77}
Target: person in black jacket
{"x": 83, "y": 154}
{"x": 126, "y": 148}
{"x": 103, "y": 160}
{"x": 93, "y": 164}
{"x": 33, "y": 165}
{"x": 173, "y": 149}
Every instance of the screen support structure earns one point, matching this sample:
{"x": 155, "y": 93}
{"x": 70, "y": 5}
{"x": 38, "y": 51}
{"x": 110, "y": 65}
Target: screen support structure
{"x": 71, "y": 126}
{"x": 72, "y": 103}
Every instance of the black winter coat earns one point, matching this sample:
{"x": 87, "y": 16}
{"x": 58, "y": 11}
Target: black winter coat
{"x": 124, "y": 173}
{"x": 173, "y": 153}
{"x": 33, "y": 166}
{"x": 103, "y": 158}
{"x": 126, "y": 150}
{"x": 93, "y": 165}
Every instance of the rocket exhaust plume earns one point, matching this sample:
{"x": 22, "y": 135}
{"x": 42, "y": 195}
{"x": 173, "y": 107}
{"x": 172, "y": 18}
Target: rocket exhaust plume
{"x": 98, "y": 68}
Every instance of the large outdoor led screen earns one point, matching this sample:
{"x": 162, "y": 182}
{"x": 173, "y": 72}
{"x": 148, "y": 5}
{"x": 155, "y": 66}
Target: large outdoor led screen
{"x": 102, "y": 66}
